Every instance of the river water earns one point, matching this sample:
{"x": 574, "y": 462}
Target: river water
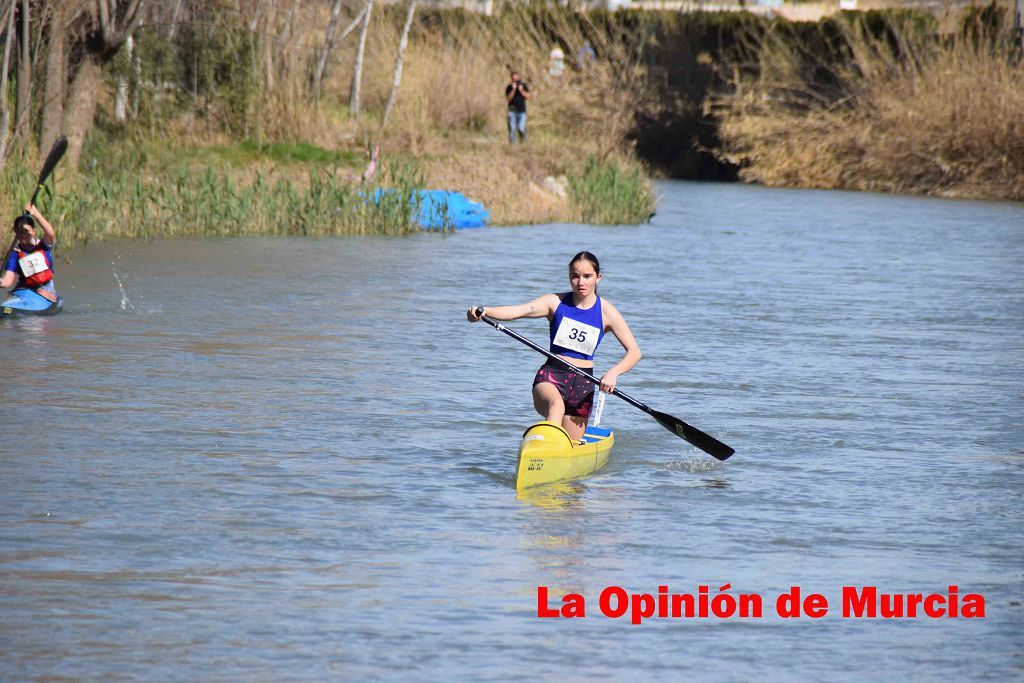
{"x": 274, "y": 459}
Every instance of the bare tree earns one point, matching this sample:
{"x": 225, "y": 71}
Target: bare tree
{"x": 325, "y": 51}
{"x": 121, "y": 94}
{"x": 173, "y": 30}
{"x": 357, "y": 74}
{"x": 397, "y": 79}
{"x": 251, "y": 12}
{"x": 289, "y": 24}
{"x": 331, "y": 42}
{"x": 136, "y": 81}
{"x": 285, "y": 45}
{"x": 23, "y": 104}
{"x": 266, "y": 45}
{"x": 5, "y": 110}
{"x": 53, "y": 82}
{"x": 109, "y": 27}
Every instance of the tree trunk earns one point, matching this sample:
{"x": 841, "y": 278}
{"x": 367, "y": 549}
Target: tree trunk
{"x": 23, "y": 105}
{"x": 268, "y": 48}
{"x": 121, "y": 95}
{"x": 325, "y": 52}
{"x": 81, "y": 107}
{"x": 330, "y": 43}
{"x": 173, "y": 30}
{"x": 357, "y": 75}
{"x": 5, "y": 110}
{"x": 397, "y": 80}
{"x": 114, "y": 23}
{"x": 53, "y": 85}
{"x": 289, "y": 24}
{"x": 136, "y": 81}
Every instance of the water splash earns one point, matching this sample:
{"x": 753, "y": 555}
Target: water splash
{"x": 126, "y": 302}
{"x": 695, "y": 465}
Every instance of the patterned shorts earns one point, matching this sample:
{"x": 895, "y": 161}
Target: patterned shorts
{"x": 577, "y": 391}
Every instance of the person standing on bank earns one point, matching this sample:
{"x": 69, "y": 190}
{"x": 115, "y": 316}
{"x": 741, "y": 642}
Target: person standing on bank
{"x": 578, "y": 321}
{"x": 30, "y": 261}
{"x": 516, "y": 94}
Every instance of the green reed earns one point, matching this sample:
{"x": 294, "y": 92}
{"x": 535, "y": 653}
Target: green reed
{"x": 606, "y": 192}
{"x": 180, "y": 203}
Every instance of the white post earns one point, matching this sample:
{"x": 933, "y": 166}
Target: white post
{"x": 598, "y": 408}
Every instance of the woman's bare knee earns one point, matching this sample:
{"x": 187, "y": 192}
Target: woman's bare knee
{"x": 548, "y": 402}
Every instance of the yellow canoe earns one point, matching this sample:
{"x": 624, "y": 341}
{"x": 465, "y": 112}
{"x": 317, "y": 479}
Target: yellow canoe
{"x": 547, "y": 454}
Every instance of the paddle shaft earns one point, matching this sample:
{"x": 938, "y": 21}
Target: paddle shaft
{"x": 569, "y": 366}
{"x": 703, "y": 441}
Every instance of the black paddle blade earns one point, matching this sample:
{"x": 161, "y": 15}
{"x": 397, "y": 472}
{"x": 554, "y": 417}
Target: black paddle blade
{"x": 705, "y": 442}
{"x": 53, "y": 158}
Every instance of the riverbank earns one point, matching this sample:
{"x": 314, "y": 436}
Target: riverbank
{"x": 141, "y": 188}
{"x": 236, "y": 140}
{"x": 881, "y": 103}
{"x": 878, "y": 100}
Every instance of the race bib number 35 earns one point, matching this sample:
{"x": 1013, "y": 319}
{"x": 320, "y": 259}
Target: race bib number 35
{"x": 577, "y": 336}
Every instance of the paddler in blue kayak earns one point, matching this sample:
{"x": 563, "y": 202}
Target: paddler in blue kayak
{"x": 578, "y": 322}
{"x": 30, "y": 260}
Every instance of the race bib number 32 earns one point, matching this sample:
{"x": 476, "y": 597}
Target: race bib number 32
{"x": 572, "y": 334}
{"x": 33, "y": 263}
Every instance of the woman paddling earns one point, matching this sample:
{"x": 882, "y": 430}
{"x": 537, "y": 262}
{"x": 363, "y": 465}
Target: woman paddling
{"x": 578, "y": 321}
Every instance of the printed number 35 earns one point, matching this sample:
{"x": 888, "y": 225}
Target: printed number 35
{"x": 578, "y": 335}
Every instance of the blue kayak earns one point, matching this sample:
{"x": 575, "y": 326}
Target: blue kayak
{"x": 27, "y": 302}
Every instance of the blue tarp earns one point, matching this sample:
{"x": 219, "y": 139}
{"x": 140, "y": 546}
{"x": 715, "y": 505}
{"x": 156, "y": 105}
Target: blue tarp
{"x": 440, "y": 209}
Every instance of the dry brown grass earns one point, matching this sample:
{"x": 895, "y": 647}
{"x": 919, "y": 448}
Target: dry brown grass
{"x": 942, "y": 118}
{"x": 454, "y": 81}
{"x": 451, "y": 112}
{"x": 508, "y": 179}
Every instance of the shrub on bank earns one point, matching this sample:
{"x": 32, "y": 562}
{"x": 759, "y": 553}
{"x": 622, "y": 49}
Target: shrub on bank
{"x": 897, "y": 109}
{"x": 607, "y": 192}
